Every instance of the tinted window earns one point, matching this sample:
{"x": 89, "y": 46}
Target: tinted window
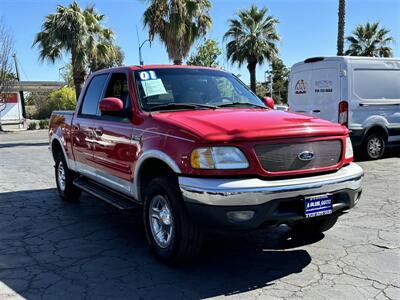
{"x": 377, "y": 84}
{"x": 118, "y": 88}
{"x": 191, "y": 86}
{"x": 93, "y": 95}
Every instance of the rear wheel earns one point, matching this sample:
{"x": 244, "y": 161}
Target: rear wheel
{"x": 64, "y": 180}
{"x": 170, "y": 233}
{"x": 313, "y": 227}
{"x": 373, "y": 146}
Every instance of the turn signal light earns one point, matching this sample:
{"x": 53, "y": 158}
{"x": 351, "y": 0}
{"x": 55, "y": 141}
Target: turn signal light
{"x": 343, "y": 113}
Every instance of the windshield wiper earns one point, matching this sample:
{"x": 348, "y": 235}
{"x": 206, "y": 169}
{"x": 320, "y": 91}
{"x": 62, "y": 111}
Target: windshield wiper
{"x": 181, "y": 106}
{"x": 233, "y": 104}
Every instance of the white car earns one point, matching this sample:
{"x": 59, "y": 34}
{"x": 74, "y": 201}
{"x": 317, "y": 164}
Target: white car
{"x": 362, "y": 93}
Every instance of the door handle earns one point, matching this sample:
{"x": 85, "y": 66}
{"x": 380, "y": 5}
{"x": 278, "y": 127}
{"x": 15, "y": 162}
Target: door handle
{"x": 316, "y": 111}
{"x": 99, "y": 131}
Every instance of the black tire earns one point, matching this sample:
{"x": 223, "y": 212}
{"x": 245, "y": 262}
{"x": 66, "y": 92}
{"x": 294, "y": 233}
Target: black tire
{"x": 67, "y": 191}
{"x": 185, "y": 238}
{"x": 314, "y": 226}
{"x": 373, "y": 146}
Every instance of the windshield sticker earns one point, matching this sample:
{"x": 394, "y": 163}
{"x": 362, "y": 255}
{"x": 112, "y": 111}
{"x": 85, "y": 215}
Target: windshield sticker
{"x": 148, "y": 75}
{"x": 153, "y": 87}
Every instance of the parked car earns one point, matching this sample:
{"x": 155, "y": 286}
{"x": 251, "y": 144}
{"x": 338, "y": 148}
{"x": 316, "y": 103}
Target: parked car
{"x": 198, "y": 151}
{"x": 362, "y": 93}
{"x": 282, "y": 107}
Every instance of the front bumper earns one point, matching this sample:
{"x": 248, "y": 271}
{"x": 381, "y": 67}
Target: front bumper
{"x": 275, "y": 201}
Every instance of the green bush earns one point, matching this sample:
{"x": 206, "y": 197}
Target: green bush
{"x": 44, "y": 124}
{"x": 62, "y": 99}
{"x": 44, "y": 102}
{"x": 32, "y": 126}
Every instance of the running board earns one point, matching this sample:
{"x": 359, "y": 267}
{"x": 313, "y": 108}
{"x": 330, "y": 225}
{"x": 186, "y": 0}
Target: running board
{"x": 114, "y": 198}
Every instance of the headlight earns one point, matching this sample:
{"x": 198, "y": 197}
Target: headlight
{"x": 218, "y": 158}
{"x": 349, "y": 149}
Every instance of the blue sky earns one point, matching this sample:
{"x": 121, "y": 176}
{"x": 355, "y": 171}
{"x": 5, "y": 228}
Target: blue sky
{"x": 307, "y": 27}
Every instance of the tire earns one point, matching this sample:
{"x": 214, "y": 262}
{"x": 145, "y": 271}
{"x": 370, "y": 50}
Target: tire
{"x": 373, "y": 146}
{"x": 164, "y": 212}
{"x": 314, "y": 227}
{"x": 64, "y": 180}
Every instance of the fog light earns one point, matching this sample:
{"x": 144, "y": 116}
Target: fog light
{"x": 240, "y": 216}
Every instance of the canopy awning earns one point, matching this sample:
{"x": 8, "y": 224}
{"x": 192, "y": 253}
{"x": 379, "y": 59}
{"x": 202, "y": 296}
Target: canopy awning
{"x": 34, "y": 86}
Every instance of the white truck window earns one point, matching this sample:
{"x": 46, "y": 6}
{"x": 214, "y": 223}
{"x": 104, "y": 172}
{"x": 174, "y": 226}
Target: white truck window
{"x": 377, "y": 84}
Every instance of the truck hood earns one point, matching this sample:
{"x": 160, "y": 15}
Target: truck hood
{"x": 232, "y": 124}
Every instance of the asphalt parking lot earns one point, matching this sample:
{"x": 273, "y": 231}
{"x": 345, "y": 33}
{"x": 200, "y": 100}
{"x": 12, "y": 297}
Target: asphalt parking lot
{"x": 89, "y": 250}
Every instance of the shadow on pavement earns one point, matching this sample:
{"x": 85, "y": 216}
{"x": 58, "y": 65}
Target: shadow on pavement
{"x": 50, "y": 249}
{"x": 11, "y": 145}
{"x": 391, "y": 151}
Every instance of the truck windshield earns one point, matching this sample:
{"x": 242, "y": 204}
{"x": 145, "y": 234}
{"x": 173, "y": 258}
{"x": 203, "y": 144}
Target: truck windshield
{"x": 191, "y": 88}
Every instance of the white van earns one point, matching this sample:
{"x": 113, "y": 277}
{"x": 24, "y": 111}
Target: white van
{"x": 11, "y": 109}
{"x": 362, "y": 93}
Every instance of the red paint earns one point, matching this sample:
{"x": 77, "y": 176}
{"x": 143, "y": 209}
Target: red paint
{"x": 109, "y": 105}
{"x": 269, "y": 102}
{"x": 10, "y": 97}
{"x": 114, "y": 147}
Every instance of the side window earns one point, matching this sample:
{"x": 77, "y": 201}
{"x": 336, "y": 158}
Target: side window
{"x": 93, "y": 95}
{"x": 377, "y": 84}
{"x": 118, "y": 88}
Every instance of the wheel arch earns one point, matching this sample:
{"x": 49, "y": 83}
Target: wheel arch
{"x": 58, "y": 146}
{"x": 382, "y": 130}
{"x": 150, "y": 165}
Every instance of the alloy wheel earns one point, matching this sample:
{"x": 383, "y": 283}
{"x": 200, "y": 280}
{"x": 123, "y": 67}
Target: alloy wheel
{"x": 161, "y": 221}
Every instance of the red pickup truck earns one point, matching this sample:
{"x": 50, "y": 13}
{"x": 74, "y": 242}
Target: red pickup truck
{"x": 199, "y": 151}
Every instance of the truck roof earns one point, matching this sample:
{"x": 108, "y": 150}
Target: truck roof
{"x": 147, "y": 67}
{"x": 344, "y": 59}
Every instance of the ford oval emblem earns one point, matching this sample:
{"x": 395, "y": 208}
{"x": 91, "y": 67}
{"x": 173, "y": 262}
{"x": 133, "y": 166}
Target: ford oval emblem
{"x": 306, "y": 156}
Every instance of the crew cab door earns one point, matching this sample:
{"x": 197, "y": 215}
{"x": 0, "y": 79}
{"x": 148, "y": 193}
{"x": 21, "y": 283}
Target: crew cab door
{"x": 114, "y": 152}
{"x": 83, "y": 126}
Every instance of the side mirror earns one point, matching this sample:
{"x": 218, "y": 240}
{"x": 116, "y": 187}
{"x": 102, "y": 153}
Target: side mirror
{"x": 111, "y": 106}
{"x": 268, "y": 101}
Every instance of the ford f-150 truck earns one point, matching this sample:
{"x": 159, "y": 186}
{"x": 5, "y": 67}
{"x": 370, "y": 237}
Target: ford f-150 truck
{"x": 198, "y": 151}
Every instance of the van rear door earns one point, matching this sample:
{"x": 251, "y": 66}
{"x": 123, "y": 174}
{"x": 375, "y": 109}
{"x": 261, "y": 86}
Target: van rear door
{"x": 315, "y": 89}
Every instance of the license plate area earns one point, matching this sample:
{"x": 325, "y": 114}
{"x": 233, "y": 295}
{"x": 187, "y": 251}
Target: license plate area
{"x": 318, "y": 205}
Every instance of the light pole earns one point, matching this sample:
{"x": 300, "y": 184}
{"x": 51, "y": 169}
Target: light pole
{"x": 59, "y": 72}
{"x": 269, "y": 78}
{"x": 140, "y": 52}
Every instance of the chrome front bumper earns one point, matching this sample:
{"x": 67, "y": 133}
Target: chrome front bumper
{"x": 254, "y": 191}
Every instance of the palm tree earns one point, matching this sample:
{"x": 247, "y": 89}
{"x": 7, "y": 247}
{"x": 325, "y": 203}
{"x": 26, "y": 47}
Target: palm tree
{"x": 102, "y": 52}
{"x": 178, "y": 24}
{"x": 253, "y": 39}
{"x": 79, "y": 33}
{"x": 370, "y": 40}
{"x": 341, "y": 21}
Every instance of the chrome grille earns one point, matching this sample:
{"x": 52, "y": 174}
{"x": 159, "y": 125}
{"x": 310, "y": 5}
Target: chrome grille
{"x": 284, "y": 157}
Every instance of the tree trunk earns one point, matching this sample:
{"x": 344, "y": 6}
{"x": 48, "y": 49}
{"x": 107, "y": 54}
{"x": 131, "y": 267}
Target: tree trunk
{"x": 78, "y": 83}
{"x": 177, "y": 61}
{"x": 341, "y": 21}
{"x": 78, "y": 74}
{"x": 252, "y": 69}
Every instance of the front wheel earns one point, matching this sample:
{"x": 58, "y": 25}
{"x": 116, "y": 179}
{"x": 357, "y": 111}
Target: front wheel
{"x": 313, "y": 227}
{"x": 170, "y": 233}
